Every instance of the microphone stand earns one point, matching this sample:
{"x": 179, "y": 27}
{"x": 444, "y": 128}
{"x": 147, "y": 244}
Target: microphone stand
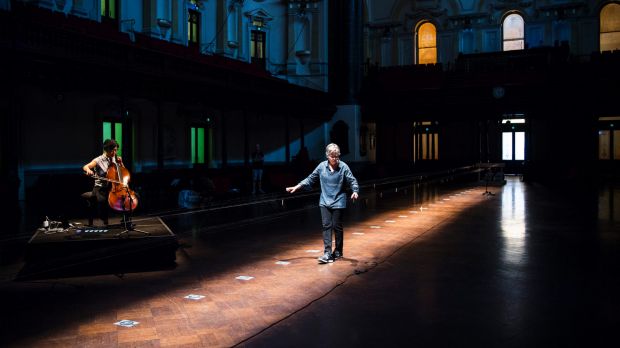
{"x": 127, "y": 218}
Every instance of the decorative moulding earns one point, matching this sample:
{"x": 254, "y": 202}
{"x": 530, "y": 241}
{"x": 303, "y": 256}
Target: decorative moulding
{"x": 259, "y": 13}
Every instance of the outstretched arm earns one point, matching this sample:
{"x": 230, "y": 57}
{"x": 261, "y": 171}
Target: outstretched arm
{"x": 293, "y": 188}
{"x": 307, "y": 182}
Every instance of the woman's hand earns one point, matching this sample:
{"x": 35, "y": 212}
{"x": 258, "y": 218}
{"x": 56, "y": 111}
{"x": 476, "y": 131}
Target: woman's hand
{"x": 292, "y": 189}
{"x": 354, "y": 196}
{"x": 87, "y": 170}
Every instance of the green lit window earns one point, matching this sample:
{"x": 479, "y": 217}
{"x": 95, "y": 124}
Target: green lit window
{"x": 109, "y": 9}
{"x": 197, "y": 137}
{"x": 425, "y": 141}
{"x": 114, "y": 130}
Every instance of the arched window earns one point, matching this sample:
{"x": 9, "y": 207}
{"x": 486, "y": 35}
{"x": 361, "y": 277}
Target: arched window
{"x": 610, "y": 27}
{"x": 514, "y": 29}
{"x": 426, "y": 44}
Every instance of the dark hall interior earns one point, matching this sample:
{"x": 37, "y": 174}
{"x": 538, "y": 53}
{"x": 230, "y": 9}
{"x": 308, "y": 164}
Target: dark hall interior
{"x": 483, "y": 134}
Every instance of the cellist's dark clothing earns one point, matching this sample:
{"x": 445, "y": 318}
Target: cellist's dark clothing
{"x": 99, "y": 199}
{"x": 103, "y": 164}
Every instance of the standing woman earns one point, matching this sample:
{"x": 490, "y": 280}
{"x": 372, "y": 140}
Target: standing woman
{"x": 332, "y": 175}
{"x": 258, "y": 159}
{"x": 98, "y": 200}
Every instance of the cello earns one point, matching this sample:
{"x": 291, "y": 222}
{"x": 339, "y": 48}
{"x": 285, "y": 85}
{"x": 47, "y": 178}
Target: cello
{"x": 121, "y": 197}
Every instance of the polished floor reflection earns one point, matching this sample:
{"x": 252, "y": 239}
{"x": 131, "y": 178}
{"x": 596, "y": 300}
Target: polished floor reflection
{"x": 428, "y": 265}
{"x": 528, "y": 267}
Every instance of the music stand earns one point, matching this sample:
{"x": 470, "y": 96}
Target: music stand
{"x": 127, "y": 223}
{"x": 489, "y": 174}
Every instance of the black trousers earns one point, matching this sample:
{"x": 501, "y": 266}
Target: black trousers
{"x": 98, "y": 205}
{"x": 332, "y": 220}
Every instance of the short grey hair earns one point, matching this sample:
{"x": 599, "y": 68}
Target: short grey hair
{"x": 332, "y": 149}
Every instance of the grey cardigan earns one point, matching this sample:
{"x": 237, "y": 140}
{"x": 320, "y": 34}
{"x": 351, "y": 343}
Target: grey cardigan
{"x": 333, "y": 193}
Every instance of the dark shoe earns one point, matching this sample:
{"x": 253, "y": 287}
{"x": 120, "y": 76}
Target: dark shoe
{"x": 326, "y": 258}
{"x": 337, "y": 255}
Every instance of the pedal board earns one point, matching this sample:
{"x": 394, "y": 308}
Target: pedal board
{"x": 91, "y": 230}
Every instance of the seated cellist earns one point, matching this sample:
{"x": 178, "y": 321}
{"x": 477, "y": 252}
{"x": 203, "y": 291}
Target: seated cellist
{"x": 98, "y": 167}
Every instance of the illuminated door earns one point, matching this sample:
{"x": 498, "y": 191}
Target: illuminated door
{"x": 513, "y": 139}
{"x": 425, "y": 141}
{"x": 609, "y": 138}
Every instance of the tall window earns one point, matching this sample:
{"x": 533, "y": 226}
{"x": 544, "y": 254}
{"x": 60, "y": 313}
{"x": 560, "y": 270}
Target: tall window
{"x": 425, "y": 141}
{"x": 257, "y": 47}
{"x": 148, "y": 15}
{"x": 201, "y": 144}
{"x": 427, "y": 44}
{"x": 513, "y": 139}
{"x": 608, "y": 138}
{"x": 514, "y": 32}
{"x": 109, "y": 9}
{"x": 467, "y": 41}
{"x": 114, "y": 130}
{"x": 193, "y": 24}
{"x": 197, "y": 137}
{"x": 610, "y": 27}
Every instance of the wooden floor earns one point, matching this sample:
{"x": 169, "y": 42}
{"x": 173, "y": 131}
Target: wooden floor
{"x": 421, "y": 267}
